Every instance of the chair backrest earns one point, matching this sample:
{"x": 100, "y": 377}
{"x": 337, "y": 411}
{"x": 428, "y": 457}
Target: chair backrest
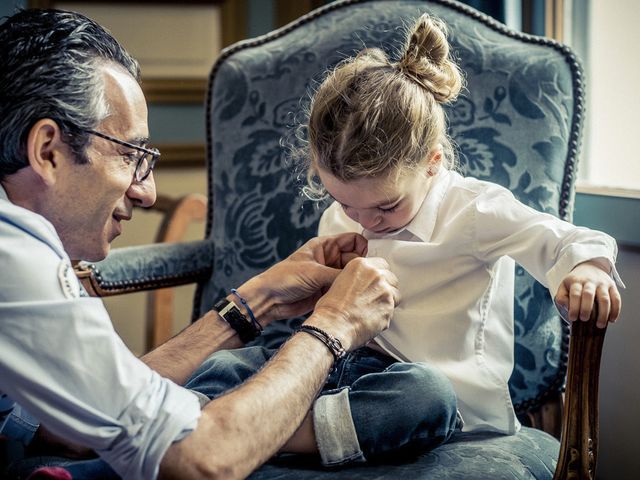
{"x": 518, "y": 125}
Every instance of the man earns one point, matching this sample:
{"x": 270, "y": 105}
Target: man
{"x": 74, "y": 163}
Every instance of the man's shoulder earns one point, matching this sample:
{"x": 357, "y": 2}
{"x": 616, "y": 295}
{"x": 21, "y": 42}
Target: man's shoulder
{"x": 16, "y": 221}
{"x": 34, "y": 265}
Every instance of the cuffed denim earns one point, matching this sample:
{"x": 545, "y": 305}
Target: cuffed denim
{"x": 19, "y": 425}
{"x": 336, "y": 434}
{"x": 371, "y": 405}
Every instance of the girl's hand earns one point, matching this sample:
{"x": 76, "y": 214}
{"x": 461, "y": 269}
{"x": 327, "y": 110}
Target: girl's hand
{"x": 588, "y": 283}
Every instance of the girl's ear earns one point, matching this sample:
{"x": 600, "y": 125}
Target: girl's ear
{"x": 434, "y": 161}
{"x": 45, "y": 149}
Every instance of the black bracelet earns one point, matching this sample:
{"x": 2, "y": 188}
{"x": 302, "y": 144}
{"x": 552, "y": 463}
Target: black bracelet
{"x": 333, "y": 344}
{"x": 231, "y": 314}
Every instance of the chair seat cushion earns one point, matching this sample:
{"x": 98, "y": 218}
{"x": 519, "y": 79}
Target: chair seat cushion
{"x": 530, "y": 454}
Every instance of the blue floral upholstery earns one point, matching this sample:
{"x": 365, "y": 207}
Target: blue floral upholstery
{"x": 518, "y": 124}
{"x": 531, "y": 454}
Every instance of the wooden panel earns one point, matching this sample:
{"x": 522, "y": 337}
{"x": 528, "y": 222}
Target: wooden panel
{"x": 193, "y": 32}
{"x": 289, "y": 10}
{"x": 181, "y": 155}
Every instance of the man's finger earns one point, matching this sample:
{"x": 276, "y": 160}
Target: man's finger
{"x": 347, "y": 257}
{"x": 397, "y": 297}
{"x": 323, "y": 276}
{"x": 378, "y": 262}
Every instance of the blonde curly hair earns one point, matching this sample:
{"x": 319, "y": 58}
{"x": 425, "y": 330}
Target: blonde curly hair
{"x": 371, "y": 116}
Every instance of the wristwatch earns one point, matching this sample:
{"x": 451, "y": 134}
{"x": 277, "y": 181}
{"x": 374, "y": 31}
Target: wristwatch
{"x": 231, "y": 314}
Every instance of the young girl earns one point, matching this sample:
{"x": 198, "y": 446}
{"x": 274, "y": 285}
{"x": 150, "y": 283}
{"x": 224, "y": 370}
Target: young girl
{"x": 378, "y": 146}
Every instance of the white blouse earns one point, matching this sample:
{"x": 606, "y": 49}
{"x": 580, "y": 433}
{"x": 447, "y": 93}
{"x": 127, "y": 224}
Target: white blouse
{"x": 455, "y": 265}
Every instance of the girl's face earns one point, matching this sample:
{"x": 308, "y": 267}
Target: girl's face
{"x": 380, "y": 204}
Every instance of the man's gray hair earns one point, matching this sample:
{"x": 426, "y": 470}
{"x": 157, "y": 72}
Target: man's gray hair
{"x": 50, "y": 67}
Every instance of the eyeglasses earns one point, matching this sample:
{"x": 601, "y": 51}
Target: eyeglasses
{"x": 146, "y": 161}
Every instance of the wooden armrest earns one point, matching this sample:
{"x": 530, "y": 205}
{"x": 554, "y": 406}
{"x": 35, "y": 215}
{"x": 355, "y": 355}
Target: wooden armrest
{"x": 579, "y": 440}
{"x": 179, "y": 213}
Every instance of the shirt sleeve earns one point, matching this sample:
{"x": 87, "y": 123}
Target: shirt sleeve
{"x": 61, "y": 359}
{"x": 547, "y": 247}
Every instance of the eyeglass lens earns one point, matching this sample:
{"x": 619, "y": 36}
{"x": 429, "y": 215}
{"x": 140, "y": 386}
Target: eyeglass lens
{"x": 145, "y": 164}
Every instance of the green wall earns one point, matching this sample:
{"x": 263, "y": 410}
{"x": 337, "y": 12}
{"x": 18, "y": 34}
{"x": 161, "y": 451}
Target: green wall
{"x": 617, "y": 216}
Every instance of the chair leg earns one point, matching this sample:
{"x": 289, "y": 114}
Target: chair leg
{"x": 579, "y": 443}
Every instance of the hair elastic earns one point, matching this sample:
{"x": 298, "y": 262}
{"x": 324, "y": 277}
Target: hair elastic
{"x": 246, "y": 305}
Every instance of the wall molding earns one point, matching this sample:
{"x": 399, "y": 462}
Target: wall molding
{"x": 607, "y": 191}
{"x": 181, "y": 155}
{"x": 179, "y": 90}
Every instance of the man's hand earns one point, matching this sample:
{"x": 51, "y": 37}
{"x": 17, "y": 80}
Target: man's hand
{"x": 588, "y": 283}
{"x": 294, "y": 285}
{"x": 360, "y": 303}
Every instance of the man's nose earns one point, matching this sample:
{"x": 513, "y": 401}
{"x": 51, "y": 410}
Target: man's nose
{"x": 143, "y": 194}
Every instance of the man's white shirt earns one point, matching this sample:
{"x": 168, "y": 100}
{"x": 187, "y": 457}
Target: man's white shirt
{"x": 61, "y": 359}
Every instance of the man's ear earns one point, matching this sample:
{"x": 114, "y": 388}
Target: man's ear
{"x": 45, "y": 150}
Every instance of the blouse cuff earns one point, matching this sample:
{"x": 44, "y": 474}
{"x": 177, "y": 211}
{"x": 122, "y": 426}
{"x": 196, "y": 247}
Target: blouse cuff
{"x": 578, "y": 254}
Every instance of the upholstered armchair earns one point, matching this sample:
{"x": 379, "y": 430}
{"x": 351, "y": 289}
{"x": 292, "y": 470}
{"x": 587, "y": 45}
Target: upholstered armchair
{"x": 518, "y": 124}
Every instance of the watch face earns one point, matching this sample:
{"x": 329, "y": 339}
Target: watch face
{"x": 220, "y": 304}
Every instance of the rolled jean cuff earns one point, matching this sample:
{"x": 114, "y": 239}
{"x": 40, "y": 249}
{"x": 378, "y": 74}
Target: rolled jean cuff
{"x": 335, "y": 432}
{"x": 20, "y": 425}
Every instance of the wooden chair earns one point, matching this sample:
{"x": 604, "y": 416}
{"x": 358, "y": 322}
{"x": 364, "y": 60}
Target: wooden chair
{"x": 519, "y": 125}
{"x": 179, "y": 213}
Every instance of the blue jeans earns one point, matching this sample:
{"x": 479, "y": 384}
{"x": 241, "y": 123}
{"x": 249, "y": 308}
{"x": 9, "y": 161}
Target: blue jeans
{"x": 371, "y": 405}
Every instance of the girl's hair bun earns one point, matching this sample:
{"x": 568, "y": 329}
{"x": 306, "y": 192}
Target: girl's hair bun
{"x": 427, "y": 61}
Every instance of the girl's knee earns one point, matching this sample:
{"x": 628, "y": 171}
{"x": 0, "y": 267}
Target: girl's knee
{"x": 428, "y": 391}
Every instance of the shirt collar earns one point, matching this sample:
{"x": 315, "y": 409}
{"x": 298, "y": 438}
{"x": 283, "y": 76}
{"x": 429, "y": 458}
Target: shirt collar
{"x": 32, "y": 223}
{"x": 424, "y": 222}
